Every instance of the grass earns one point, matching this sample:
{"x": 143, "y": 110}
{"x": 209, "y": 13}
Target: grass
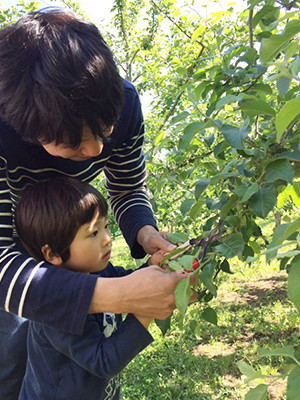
{"x": 200, "y": 364}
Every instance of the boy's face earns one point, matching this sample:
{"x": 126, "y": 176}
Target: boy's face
{"x": 91, "y": 248}
{"x": 89, "y": 147}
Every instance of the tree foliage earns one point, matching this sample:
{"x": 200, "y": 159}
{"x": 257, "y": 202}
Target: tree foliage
{"x": 222, "y": 134}
{"x": 222, "y": 141}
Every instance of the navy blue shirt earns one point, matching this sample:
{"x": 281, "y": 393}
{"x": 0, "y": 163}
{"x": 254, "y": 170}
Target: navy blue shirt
{"x": 39, "y": 291}
{"x": 63, "y": 366}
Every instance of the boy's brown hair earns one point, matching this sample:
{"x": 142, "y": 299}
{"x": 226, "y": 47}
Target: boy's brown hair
{"x": 51, "y": 212}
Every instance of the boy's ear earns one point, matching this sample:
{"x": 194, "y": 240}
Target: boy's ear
{"x": 50, "y": 256}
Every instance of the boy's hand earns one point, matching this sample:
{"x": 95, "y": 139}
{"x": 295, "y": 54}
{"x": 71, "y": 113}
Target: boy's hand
{"x": 156, "y": 257}
{"x": 143, "y": 320}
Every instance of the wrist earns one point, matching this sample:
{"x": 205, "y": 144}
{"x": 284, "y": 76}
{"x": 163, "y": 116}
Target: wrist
{"x": 143, "y": 321}
{"x": 107, "y": 296}
{"x": 115, "y": 295}
{"x": 144, "y": 233}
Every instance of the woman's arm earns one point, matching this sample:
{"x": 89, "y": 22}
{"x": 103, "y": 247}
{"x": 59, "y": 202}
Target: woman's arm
{"x": 125, "y": 173}
{"x": 148, "y": 292}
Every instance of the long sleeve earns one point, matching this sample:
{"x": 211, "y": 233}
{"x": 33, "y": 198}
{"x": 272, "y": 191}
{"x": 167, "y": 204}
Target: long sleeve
{"x": 39, "y": 291}
{"x": 101, "y": 356}
{"x": 65, "y": 366}
{"x": 126, "y": 174}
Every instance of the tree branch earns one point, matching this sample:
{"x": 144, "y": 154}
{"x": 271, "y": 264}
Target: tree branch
{"x": 250, "y": 19}
{"x": 174, "y": 22}
{"x": 180, "y": 94}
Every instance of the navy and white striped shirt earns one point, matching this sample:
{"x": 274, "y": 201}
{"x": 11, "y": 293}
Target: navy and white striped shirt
{"x": 39, "y": 291}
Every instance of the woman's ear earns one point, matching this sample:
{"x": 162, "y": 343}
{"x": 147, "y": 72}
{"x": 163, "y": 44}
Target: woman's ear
{"x": 50, "y": 256}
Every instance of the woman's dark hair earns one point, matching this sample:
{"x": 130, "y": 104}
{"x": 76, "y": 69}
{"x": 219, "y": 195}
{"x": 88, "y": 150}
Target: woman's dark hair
{"x": 51, "y": 212}
{"x": 57, "y": 73}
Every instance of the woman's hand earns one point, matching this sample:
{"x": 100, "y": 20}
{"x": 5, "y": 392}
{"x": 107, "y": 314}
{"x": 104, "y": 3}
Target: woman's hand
{"x": 152, "y": 240}
{"x": 148, "y": 292}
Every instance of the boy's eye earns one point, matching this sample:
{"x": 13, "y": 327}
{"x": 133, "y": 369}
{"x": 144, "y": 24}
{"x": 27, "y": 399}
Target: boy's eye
{"x": 95, "y": 233}
{"x": 106, "y": 226}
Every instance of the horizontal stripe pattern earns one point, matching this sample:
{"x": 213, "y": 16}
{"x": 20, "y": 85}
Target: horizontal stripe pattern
{"x": 22, "y": 164}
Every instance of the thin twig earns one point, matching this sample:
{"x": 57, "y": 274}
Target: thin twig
{"x": 180, "y": 94}
{"x": 174, "y": 22}
{"x": 250, "y": 19}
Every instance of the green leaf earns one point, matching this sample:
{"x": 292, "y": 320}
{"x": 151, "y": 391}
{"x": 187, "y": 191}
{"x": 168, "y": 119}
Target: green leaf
{"x": 193, "y": 128}
{"x": 268, "y": 11}
{"x": 241, "y": 190}
{"x": 288, "y": 254}
{"x": 195, "y": 211}
{"x": 251, "y": 56}
{"x": 181, "y": 71}
{"x": 173, "y": 265}
{"x": 228, "y": 99}
{"x": 164, "y": 324}
{"x": 255, "y": 246}
{"x": 210, "y": 315}
{"x": 220, "y": 148}
{"x": 225, "y": 266}
{"x": 188, "y": 134}
{"x": 272, "y": 46}
{"x": 198, "y": 32}
{"x": 200, "y": 187}
{"x": 258, "y": 393}
{"x": 283, "y": 197}
{"x": 294, "y": 192}
{"x": 293, "y": 384}
{"x": 255, "y": 107}
{"x": 183, "y": 293}
{"x": 213, "y": 204}
{"x": 263, "y": 201}
{"x": 290, "y": 155}
{"x": 186, "y": 205}
{"x": 199, "y": 90}
{"x": 178, "y": 237}
{"x": 235, "y": 136}
{"x": 232, "y": 246}
{"x": 283, "y": 85}
{"x": 294, "y": 285}
{"x": 228, "y": 206}
{"x": 286, "y": 116}
{"x": 206, "y": 278}
{"x": 279, "y": 169}
{"x": 287, "y": 351}
{"x": 292, "y": 49}
{"x": 246, "y": 369}
{"x": 179, "y": 117}
{"x": 250, "y": 192}
{"x": 263, "y": 88}
{"x": 159, "y": 137}
{"x": 186, "y": 261}
{"x": 284, "y": 231}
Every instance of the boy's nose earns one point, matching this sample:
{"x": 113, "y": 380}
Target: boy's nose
{"x": 107, "y": 238}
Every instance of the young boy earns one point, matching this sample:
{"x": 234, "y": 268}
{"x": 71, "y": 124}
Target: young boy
{"x": 64, "y": 221}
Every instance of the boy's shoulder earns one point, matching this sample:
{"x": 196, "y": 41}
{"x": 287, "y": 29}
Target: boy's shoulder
{"x": 112, "y": 272}
{"x": 128, "y": 86}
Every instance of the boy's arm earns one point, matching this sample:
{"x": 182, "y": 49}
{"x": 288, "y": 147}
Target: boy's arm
{"x": 101, "y": 356}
